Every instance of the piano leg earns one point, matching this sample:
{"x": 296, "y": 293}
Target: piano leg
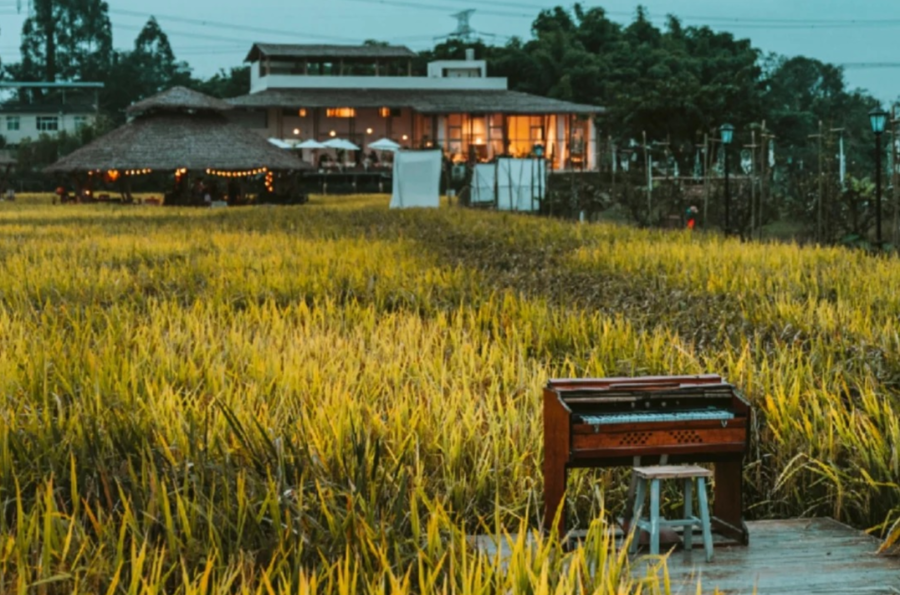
{"x": 555, "y": 477}
{"x": 728, "y": 506}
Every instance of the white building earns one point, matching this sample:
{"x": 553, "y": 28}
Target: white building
{"x": 65, "y": 107}
{"x": 364, "y": 93}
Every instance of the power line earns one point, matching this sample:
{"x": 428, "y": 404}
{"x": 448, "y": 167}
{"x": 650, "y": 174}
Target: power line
{"x": 739, "y": 22}
{"x": 442, "y": 8}
{"x": 865, "y": 65}
{"x": 234, "y": 27}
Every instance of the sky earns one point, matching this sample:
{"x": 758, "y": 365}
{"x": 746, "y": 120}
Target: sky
{"x": 215, "y": 34}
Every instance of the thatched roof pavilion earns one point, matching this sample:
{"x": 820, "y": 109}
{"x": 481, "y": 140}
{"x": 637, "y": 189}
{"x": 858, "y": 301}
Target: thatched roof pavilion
{"x": 175, "y": 130}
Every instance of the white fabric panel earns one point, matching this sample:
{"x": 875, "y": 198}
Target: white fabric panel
{"x": 417, "y": 179}
{"x": 521, "y": 184}
{"x": 483, "y": 183}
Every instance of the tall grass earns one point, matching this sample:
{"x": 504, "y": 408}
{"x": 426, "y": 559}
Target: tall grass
{"x": 328, "y": 398}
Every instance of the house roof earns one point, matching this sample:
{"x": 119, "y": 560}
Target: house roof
{"x": 47, "y": 108}
{"x": 425, "y": 101}
{"x": 179, "y": 99}
{"x": 168, "y": 141}
{"x": 282, "y": 50}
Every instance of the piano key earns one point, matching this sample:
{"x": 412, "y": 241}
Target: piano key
{"x": 653, "y": 416}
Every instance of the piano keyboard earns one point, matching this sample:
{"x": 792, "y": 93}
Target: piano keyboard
{"x": 637, "y": 417}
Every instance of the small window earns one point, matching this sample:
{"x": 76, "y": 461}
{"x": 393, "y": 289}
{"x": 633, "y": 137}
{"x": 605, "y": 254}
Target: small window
{"x": 340, "y": 112}
{"x": 13, "y": 122}
{"x": 389, "y": 112}
{"x": 47, "y": 123}
{"x": 80, "y": 122}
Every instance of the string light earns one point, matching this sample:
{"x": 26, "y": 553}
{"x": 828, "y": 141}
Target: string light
{"x": 236, "y": 174}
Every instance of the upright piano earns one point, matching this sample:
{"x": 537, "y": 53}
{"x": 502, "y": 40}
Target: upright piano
{"x": 612, "y": 422}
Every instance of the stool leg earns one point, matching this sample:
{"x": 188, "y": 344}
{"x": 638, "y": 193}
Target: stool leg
{"x": 654, "y": 517}
{"x": 704, "y": 518}
{"x": 688, "y": 514}
{"x": 640, "y": 494}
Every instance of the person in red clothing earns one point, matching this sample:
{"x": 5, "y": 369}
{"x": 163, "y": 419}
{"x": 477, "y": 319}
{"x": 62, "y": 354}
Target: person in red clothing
{"x": 691, "y": 215}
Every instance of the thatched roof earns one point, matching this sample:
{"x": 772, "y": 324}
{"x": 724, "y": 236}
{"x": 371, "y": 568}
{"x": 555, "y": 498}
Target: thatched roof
{"x": 179, "y": 99}
{"x": 426, "y": 101}
{"x": 292, "y": 51}
{"x": 169, "y": 141}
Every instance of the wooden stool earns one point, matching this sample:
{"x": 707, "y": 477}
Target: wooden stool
{"x": 654, "y": 475}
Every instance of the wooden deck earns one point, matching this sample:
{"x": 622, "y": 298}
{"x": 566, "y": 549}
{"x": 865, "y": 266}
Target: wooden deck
{"x": 798, "y": 556}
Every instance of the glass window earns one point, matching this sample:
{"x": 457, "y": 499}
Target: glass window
{"x": 12, "y": 122}
{"x": 340, "y": 112}
{"x": 80, "y": 122}
{"x": 47, "y": 123}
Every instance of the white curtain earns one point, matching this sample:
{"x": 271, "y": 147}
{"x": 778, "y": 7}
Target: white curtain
{"x": 417, "y": 179}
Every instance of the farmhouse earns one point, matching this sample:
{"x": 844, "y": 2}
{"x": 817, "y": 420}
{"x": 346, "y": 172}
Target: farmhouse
{"x": 365, "y": 93}
{"x": 61, "y": 107}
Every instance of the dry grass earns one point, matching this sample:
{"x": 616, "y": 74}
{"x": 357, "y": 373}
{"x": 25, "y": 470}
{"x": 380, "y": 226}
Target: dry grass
{"x": 327, "y": 398}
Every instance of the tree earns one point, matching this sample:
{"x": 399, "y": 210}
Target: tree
{"x": 66, "y": 40}
{"x": 226, "y": 84}
{"x": 149, "y": 68}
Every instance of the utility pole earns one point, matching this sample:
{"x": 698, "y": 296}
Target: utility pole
{"x": 752, "y": 146}
{"x": 821, "y": 186}
{"x": 705, "y": 148}
{"x": 613, "y": 167}
{"x": 895, "y": 225}
{"x": 765, "y": 188}
{"x": 648, "y": 166}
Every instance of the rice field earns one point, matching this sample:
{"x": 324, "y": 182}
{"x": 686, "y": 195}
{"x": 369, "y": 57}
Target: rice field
{"x": 328, "y": 398}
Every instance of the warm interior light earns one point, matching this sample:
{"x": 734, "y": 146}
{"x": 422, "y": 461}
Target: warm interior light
{"x": 332, "y": 133}
{"x": 302, "y": 113}
{"x": 405, "y": 137}
{"x": 368, "y": 131}
{"x": 296, "y": 131}
{"x": 340, "y": 112}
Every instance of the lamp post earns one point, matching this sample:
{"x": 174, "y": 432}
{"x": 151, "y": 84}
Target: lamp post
{"x": 727, "y": 134}
{"x": 878, "y": 120}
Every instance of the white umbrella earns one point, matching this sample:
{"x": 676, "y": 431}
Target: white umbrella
{"x": 281, "y": 144}
{"x": 339, "y": 143}
{"x": 310, "y": 144}
{"x": 384, "y": 144}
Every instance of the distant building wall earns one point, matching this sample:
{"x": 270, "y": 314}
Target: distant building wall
{"x": 17, "y": 126}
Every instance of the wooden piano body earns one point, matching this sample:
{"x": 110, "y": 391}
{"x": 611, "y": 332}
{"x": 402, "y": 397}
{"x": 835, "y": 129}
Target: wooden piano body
{"x": 609, "y": 422}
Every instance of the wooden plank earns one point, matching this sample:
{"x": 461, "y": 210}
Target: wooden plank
{"x": 694, "y": 424}
{"x": 711, "y": 439}
{"x": 817, "y": 556}
{"x": 720, "y": 448}
{"x": 672, "y": 472}
{"x": 556, "y": 455}
{"x": 785, "y": 557}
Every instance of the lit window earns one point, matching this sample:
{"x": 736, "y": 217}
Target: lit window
{"x": 12, "y": 122}
{"x": 47, "y": 123}
{"x": 80, "y": 122}
{"x": 389, "y": 112}
{"x": 340, "y": 112}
